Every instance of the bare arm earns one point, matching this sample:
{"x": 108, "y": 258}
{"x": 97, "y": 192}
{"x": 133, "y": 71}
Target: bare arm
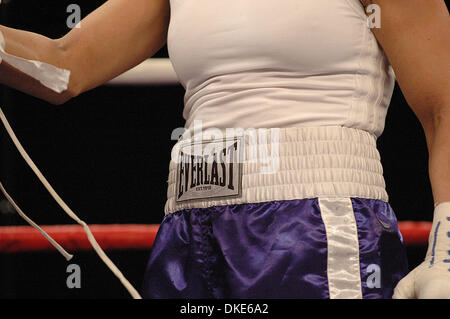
{"x": 112, "y": 39}
{"x": 415, "y": 34}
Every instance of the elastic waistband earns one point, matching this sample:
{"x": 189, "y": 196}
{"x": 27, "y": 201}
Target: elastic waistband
{"x": 294, "y": 163}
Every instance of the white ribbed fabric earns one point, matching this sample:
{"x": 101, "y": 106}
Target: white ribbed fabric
{"x": 328, "y": 161}
{"x": 285, "y": 63}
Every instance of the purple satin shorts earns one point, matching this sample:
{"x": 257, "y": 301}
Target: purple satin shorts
{"x": 309, "y": 248}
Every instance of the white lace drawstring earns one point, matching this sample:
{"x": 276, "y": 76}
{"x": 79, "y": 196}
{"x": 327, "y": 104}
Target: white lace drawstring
{"x": 133, "y": 292}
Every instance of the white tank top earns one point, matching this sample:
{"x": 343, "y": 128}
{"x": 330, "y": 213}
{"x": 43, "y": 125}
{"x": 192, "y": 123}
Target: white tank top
{"x": 284, "y": 63}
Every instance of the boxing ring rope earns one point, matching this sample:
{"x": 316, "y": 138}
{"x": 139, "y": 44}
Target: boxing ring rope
{"x": 72, "y": 237}
{"x": 15, "y": 239}
{"x": 155, "y": 71}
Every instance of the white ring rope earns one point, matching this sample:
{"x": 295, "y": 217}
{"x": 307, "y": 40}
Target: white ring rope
{"x": 67, "y": 209}
{"x": 154, "y": 71}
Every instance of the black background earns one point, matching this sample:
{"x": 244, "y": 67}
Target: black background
{"x": 107, "y": 153}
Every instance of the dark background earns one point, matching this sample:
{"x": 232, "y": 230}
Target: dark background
{"x": 107, "y": 153}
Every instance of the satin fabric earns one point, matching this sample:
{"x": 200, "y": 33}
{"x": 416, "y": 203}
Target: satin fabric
{"x": 267, "y": 250}
{"x": 380, "y": 243}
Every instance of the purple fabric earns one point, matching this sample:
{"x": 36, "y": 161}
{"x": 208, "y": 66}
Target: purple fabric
{"x": 266, "y": 250}
{"x": 380, "y": 243}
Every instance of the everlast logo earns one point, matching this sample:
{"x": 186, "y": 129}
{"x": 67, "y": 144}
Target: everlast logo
{"x": 211, "y": 174}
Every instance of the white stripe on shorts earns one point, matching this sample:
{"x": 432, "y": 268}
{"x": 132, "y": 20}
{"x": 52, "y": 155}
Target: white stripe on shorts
{"x": 343, "y": 268}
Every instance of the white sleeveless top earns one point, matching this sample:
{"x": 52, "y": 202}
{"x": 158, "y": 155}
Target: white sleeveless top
{"x": 284, "y": 63}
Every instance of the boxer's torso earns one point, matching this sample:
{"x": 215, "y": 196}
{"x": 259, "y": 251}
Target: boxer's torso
{"x": 288, "y": 63}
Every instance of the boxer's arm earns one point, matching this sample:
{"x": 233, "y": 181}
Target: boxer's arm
{"x": 415, "y": 35}
{"x": 112, "y": 39}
